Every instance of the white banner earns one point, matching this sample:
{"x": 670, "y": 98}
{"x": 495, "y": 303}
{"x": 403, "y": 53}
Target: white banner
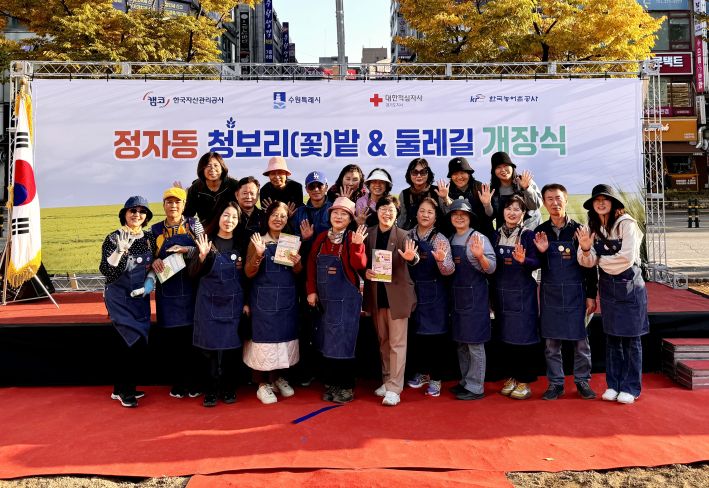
{"x": 99, "y": 142}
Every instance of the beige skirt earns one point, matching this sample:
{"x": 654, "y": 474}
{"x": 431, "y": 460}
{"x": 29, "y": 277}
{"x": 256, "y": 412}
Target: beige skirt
{"x": 266, "y": 356}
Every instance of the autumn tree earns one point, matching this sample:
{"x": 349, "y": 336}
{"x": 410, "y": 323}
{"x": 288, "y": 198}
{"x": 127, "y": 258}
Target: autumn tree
{"x": 93, "y": 30}
{"x": 460, "y": 31}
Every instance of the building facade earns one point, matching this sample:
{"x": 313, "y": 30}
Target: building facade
{"x": 252, "y": 27}
{"x": 400, "y": 27}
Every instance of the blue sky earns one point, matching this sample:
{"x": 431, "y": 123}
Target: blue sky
{"x": 313, "y": 27}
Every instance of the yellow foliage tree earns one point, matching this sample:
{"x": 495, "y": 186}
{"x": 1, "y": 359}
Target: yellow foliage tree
{"x": 469, "y": 31}
{"x": 93, "y": 30}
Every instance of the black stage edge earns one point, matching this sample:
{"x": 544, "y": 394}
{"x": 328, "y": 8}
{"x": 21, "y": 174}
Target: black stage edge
{"x": 80, "y": 354}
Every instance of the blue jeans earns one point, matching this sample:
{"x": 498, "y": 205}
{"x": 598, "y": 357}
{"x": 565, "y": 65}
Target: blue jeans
{"x": 471, "y": 359}
{"x": 624, "y": 358}
{"x": 555, "y": 366}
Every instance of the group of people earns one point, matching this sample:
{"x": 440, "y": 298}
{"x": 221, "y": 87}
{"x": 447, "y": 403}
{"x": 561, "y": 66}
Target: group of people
{"x": 461, "y": 251}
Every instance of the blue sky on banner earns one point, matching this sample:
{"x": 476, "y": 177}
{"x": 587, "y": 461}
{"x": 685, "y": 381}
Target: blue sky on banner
{"x": 314, "y": 29}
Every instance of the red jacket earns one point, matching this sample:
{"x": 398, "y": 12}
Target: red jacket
{"x": 353, "y": 258}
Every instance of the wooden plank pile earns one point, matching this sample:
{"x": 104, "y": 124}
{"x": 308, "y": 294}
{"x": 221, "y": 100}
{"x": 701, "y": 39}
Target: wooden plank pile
{"x": 687, "y": 362}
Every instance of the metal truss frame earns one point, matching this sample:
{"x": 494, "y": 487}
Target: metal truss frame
{"x": 647, "y": 70}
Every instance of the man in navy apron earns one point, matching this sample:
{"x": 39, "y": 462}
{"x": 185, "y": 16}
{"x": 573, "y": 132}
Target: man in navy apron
{"x": 567, "y": 296}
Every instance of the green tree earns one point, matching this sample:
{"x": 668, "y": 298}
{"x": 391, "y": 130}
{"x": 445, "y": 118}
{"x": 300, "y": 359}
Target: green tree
{"x": 92, "y": 30}
{"x": 458, "y": 31}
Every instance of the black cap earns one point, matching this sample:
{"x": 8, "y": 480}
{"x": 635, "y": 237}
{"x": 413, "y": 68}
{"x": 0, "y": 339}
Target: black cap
{"x": 464, "y": 205}
{"x": 459, "y": 164}
{"x": 501, "y": 157}
{"x": 606, "y": 191}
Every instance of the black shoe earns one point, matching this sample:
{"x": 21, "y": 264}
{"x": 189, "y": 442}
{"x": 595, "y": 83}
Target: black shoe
{"x": 329, "y": 395}
{"x": 343, "y": 396}
{"x": 210, "y": 400}
{"x": 136, "y": 393}
{"x": 585, "y": 391}
{"x": 195, "y": 394}
{"x": 554, "y": 392}
{"x": 128, "y": 401}
{"x": 228, "y": 397}
{"x": 458, "y": 389}
{"x": 178, "y": 392}
{"x": 469, "y": 395}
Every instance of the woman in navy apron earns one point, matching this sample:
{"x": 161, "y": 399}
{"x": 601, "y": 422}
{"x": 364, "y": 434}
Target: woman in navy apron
{"x": 474, "y": 260}
{"x": 612, "y": 241}
{"x": 126, "y": 256}
{"x": 429, "y": 321}
{"x": 220, "y": 300}
{"x": 333, "y": 289}
{"x": 175, "y": 298}
{"x": 274, "y": 307}
{"x": 516, "y": 303}
{"x": 463, "y": 184}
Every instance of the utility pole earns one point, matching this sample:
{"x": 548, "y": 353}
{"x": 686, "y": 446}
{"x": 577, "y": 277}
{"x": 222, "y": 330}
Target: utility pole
{"x": 339, "y": 10}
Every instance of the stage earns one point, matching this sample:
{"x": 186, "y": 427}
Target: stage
{"x": 41, "y": 345}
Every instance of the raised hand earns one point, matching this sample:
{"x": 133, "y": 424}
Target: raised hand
{"x": 519, "y": 253}
{"x": 203, "y": 244}
{"x": 541, "y": 241}
{"x": 177, "y": 184}
{"x": 441, "y": 250}
{"x": 123, "y": 240}
{"x": 158, "y": 266}
{"x": 361, "y": 214}
{"x": 525, "y": 179}
{"x": 360, "y": 235}
{"x": 306, "y": 231}
{"x": 291, "y": 209}
{"x": 585, "y": 240}
{"x": 486, "y": 194}
{"x": 410, "y": 250}
{"x": 443, "y": 188}
{"x": 258, "y": 244}
{"x": 344, "y": 192}
{"x": 265, "y": 203}
{"x": 477, "y": 247}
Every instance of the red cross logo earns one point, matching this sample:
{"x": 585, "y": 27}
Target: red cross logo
{"x": 376, "y": 100}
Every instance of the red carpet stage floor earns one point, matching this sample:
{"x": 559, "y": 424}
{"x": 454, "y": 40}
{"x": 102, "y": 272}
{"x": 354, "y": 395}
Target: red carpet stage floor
{"x": 88, "y": 308}
{"x": 80, "y": 430}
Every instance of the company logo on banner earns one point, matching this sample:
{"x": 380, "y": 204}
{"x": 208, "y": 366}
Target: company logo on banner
{"x": 572, "y": 133}
{"x": 268, "y": 30}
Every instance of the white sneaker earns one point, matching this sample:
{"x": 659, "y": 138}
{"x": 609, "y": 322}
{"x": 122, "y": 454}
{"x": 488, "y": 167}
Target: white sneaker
{"x": 381, "y": 391}
{"x": 610, "y": 395}
{"x": 391, "y": 399}
{"x": 265, "y": 394}
{"x": 281, "y": 386}
{"x": 625, "y": 398}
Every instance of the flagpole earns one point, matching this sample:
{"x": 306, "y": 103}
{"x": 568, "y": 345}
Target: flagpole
{"x": 11, "y": 158}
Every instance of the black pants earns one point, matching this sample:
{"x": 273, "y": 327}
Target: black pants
{"x": 520, "y": 361}
{"x": 127, "y": 364}
{"x": 309, "y": 363}
{"x": 427, "y": 354}
{"x": 339, "y": 373}
{"x": 222, "y": 370}
{"x": 182, "y": 357}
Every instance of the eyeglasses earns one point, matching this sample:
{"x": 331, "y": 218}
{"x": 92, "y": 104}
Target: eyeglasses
{"x": 423, "y": 172}
{"x": 138, "y": 210}
{"x": 387, "y": 211}
{"x": 213, "y": 166}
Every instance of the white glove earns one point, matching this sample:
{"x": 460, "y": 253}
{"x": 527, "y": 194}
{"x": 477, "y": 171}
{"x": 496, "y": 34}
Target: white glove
{"x": 123, "y": 241}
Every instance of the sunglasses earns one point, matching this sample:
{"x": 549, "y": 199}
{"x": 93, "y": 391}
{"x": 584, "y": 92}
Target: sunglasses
{"x": 138, "y": 210}
{"x": 422, "y": 172}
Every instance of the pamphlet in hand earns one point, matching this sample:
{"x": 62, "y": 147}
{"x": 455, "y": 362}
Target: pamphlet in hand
{"x": 287, "y": 245}
{"x": 381, "y": 265}
{"x": 173, "y": 264}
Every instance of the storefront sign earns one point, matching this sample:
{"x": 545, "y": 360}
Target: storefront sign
{"x": 286, "y": 50}
{"x": 673, "y": 130}
{"x": 699, "y": 53}
{"x": 665, "y": 4}
{"x": 291, "y": 54}
{"x": 268, "y": 30}
{"x": 244, "y": 48}
{"x": 674, "y": 63}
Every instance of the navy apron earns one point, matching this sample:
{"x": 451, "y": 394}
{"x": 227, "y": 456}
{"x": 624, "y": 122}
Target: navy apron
{"x": 562, "y": 297}
{"x": 516, "y": 299}
{"x": 431, "y": 313}
{"x": 336, "y": 329}
{"x": 130, "y": 315}
{"x": 623, "y": 296}
{"x": 274, "y": 299}
{"x": 220, "y": 303}
{"x": 175, "y": 299}
{"x": 470, "y": 311}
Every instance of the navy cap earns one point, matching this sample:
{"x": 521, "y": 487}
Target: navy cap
{"x": 316, "y": 177}
{"x": 136, "y": 201}
{"x": 464, "y": 205}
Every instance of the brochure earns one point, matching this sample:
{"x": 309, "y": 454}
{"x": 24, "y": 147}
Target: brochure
{"x": 173, "y": 264}
{"x": 287, "y": 244}
{"x": 381, "y": 265}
